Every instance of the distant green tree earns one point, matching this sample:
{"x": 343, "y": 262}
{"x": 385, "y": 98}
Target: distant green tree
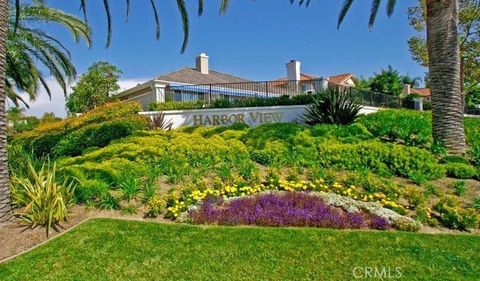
{"x": 388, "y": 81}
{"x": 49, "y": 117}
{"x": 469, "y": 40}
{"x": 18, "y": 122}
{"x": 362, "y": 84}
{"x": 473, "y": 97}
{"x": 94, "y": 87}
{"x": 414, "y": 82}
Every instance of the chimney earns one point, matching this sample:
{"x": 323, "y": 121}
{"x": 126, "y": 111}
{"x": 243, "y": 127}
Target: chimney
{"x": 202, "y": 63}
{"x": 293, "y": 70}
{"x": 407, "y": 89}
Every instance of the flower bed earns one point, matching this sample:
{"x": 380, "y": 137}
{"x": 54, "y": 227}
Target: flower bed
{"x": 283, "y": 209}
{"x": 190, "y": 199}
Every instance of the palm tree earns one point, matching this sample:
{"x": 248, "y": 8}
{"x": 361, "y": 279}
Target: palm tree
{"x": 444, "y": 68}
{"x": 5, "y": 206}
{"x": 26, "y": 45}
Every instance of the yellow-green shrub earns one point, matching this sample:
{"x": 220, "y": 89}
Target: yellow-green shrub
{"x": 98, "y": 135}
{"x": 460, "y": 170}
{"x": 452, "y": 215}
{"x": 380, "y": 158}
{"x": 46, "y": 136}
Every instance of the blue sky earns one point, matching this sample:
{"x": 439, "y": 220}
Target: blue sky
{"x": 253, "y": 40}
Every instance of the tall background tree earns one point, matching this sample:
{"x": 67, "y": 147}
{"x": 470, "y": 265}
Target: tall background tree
{"x": 94, "y": 87}
{"x": 441, "y": 17}
{"x": 468, "y": 36}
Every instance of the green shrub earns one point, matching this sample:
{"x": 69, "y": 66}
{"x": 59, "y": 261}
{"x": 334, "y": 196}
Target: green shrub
{"x": 98, "y": 135}
{"x": 333, "y": 106}
{"x": 283, "y": 132}
{"x": 432, "y": 189}
{"x": 109, "y": 202}
{"x": 256, "y": 102}
{"x": 380, "y": 158}
{"x": 156, "y": 206}
{"x": 43, "y": 145}
{"x": 460, "y": 187}
{"x": 91, "y": 191}
{"x": 19, "y": 160}
{"x": 412, "y": 127}
{"x": 414, "y": 196}
{"x": 176, "y": 105}
{"x": 460, "y": 171}
{"x": 129, "y": 186}
{"x": 350, "y": 133}
{"x": 476, "y": 203}
{"x": 262, "y": 157}
{"x": 453, "y": 216}
{"x": 454, "y": 159}
{"x": 404, "y": 224}
{"x": 45, "y": 137}
{"x": 42, "y": 201}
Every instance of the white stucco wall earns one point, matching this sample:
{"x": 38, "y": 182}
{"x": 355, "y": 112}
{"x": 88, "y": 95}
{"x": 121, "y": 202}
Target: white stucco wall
{"x": 252, "y": 116}
{"x": 144, "y": 100}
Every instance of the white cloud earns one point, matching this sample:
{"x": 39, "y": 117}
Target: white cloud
{"x": 57, "y": 104}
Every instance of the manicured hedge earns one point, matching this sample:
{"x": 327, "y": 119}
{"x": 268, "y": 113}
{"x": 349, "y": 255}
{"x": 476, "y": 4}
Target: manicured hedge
{"x": 98, "y": 135}
{"x": 44, "y": 139}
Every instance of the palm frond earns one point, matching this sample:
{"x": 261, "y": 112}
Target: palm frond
{"x": 106, "y": 5}
{"x": 373, "y": 13}
{"x": 343, "y": 12}
{"x": 391, "y": 7}
{"x": 200, "y": 7}
{"x": 29, "y": 47}
{"x": 186, "y": 24}
{"x": 224, "y": 6}
{"x": 157, "y": 19}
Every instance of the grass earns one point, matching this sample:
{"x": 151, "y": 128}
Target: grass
{"x": 105, "y": 249}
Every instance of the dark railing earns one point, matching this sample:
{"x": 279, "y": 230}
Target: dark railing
{"x": 472, "y": 111}
{"x": 242, "y": 90}
{"x": 270, "y": 89}
{"x": 376, "y": 99}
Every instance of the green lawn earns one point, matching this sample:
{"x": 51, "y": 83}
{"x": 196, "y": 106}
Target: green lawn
{"x": 104, "y": 249}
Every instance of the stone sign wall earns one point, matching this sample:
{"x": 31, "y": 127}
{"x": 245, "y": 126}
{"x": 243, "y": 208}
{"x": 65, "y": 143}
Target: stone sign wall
{"x": 252, "y": 116}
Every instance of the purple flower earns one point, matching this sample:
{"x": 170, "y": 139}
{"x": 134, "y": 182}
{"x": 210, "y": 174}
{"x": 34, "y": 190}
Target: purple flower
{"x": 283, "y": 209}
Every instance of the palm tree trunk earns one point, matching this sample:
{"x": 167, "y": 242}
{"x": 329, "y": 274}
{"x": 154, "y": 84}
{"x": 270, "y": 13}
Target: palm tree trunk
{"x": 5, "y": 200}
{"x": 444, "y": 58}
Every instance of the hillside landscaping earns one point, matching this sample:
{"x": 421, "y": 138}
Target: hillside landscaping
{"x": 382, "y": 171}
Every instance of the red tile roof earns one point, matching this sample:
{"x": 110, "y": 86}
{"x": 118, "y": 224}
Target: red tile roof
{"x": 340, "y": 79}
{"x": 424, "y": 92}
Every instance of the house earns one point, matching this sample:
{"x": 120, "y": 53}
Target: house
{"x": 294, "y": 73}
{"x": 203, "y": 83}
{"x": 424, "y": 93}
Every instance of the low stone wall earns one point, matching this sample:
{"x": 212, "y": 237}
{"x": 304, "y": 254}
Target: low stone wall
{"x": 252, "y": 116}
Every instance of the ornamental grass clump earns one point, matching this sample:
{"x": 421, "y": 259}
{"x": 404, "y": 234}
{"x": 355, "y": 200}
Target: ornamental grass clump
{"x": 41, "y": 200}
{"x": 282, "y": 209}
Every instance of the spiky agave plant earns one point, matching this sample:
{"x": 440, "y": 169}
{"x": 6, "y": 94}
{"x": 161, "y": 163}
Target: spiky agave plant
{"x": 333, "y": 106}
{"x": 40, "y": 199}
